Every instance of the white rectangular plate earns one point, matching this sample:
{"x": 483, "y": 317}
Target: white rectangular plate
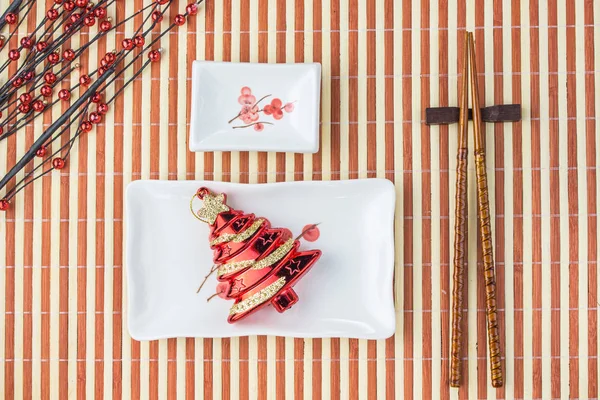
{"x": 217, "y": 98}
{"x": 347, "y": 293}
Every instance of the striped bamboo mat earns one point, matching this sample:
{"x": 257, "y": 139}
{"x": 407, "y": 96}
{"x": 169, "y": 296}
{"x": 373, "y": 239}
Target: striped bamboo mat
{"x": 62, "y": 289}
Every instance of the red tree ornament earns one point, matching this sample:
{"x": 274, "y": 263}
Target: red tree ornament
{"x": 256, "y": 264}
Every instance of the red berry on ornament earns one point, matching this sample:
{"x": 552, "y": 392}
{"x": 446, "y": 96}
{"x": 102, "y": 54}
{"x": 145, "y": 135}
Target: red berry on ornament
{"x": 41, "y": 46}
{"x": 14, "y": 54}
{"x": 53, "y": 58}
{"x": 4, "y": 205}
{"x": 38, "y": 106}
{"x": 24, "y": 108}
{"x": 41, "y": 152}
{"x": 58, "y": 163}
{"x": 192, "y": 9}
{"x": 89, "y": 20}
{"x": 46, "y": 91}
{"x": 69, "y": 5}
{"x": 52, "y": 14}
{"x": 27, "y": 42}
{"x": 100, "y": 12}
{"x": 179, "y": 19}
{"x": 86, "y": 126}
{"x": 69, "y": 54}
{"x": 25, "y": 98}
{"x": 95, "y": 118}
{"x": 50, "y": 78}
{"x": 102, "y": 108}
{"x": 84, "y": 80}
{"x": 64, "y": 94}
{"x": 256, "y": 264}
{"x": 127, "y": 44}
{"x": 18, "y": 82}
{"x": 154, "y": 55}
{"x": 105, "y": 26}
{"x": 11, "y": 18}
{"x": 139, "y": 41}
{"x": 97, "y": 97}
{"x": 157, "y": 16}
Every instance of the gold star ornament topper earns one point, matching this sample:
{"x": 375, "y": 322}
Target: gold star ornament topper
{"x": 213, "y": 206}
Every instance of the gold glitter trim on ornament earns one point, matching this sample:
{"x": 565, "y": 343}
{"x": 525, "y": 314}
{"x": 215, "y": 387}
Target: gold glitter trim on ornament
{"x": 269, "y": 260}
{"x": 232, "y": 267}
{"x": 258, "y": 298}
{"x": 238, "y": 237}
{"x": 213, "y": 206}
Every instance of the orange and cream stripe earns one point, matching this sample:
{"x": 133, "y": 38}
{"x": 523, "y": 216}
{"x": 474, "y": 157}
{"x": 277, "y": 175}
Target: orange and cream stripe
{"x": 62, "y": 284}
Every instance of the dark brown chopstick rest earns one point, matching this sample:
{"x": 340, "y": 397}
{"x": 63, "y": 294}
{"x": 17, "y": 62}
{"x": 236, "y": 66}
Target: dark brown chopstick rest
{"x": 450, "y": 115}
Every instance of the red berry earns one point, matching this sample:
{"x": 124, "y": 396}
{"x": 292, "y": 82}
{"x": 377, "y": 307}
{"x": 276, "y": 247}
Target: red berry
{"x": 24, "y": 108}
{"x": 311, "y": 233}
{"x": 11, "y": 18}
{"x": 89, "y": 20}
{"x": 53, "y": 58}
{"x": 64, "y": 94}
{"x": 157, "y": 16}
{"x": 102, "y": 108}
{"x": 58, "y": 163}
{"x": 154, "y": 55}
{"x": 25, "y": 98}
{"x": 278, "y": 114}
{"x": 289, "y": 107}
{"x": 86, "y": 126}
{"x": 95, "y": 118}
{"x": 127, "y": 44}
{"x": 4, "y": 205}
{"x": 74, "y": 17}
{"x": 100, "y": 12}
{"x": 69, "y": 54}
{"x": 101, "y": 70}
{"x": 69, "y": 5}
{"x": 41, "y": 46}
{"x": 162, "y": 2}
{"x": 50, "y": 78}
{"x": 84, "y": 80}
{"x": 192, "y": 9}
{"x": 2, "y": 41}
{"x": 268, "y": 109}
{"x": 259, "y": 127}
{"x": 46, "y": 91}
{"x": 38, "y": 105}
{"x": 18, "y": 82}
{"x": 67, "y": 27}
{"x": 81, "y": 3}
{"x": 97, "y": 97}
{"x": 41, "y": 152}
{"x": 28, "y": 76}
{"x": 58, "y": 1}
{"x": 276, "y": 103}
{"x": 14, "y": 54}
{"x": 52, "y": 14}
{"x": 27, "y": 42}
{"x": 246, "y": 90}
{"x": 105, "y": 26}
{"x": 179, "y": 19}
{"x": 139, "y": 41}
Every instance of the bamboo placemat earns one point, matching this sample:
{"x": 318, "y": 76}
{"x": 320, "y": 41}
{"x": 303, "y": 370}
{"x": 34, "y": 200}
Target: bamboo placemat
{"x": 62, "y": 286}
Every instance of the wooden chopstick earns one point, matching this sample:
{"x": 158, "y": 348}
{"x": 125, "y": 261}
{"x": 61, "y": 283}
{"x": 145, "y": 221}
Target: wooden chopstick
{"x": 485, "y": 230}
{"x": 460, "y": 224}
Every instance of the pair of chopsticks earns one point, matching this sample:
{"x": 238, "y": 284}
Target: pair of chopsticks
{"x": 485, "y": 231}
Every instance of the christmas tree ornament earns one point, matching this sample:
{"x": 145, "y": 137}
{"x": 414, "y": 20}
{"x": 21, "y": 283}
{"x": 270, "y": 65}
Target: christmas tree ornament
{"x": 256, "y": 264}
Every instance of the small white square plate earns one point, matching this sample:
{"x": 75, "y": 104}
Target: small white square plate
{"x": 287, "y": 120}
{"x": 347, "y": 293}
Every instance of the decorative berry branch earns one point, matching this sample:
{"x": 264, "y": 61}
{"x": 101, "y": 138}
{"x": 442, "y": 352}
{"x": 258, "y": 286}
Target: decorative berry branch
{"x": 43, "y": 65}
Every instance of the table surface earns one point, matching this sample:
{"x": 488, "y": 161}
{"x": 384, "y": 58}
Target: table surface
{"x": 64, "y": 334}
